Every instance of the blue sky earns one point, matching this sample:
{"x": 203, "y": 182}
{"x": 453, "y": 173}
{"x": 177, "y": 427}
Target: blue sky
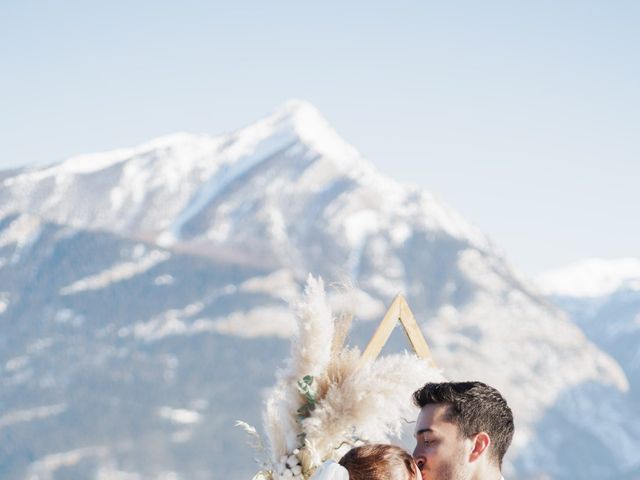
{"x": 524, "y": 116}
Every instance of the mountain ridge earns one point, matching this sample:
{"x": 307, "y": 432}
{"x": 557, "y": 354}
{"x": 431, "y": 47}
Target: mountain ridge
{"x": 214, "y": 164}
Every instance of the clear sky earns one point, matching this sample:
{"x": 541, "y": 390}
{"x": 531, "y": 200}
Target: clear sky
{"x": 522, "y": 115}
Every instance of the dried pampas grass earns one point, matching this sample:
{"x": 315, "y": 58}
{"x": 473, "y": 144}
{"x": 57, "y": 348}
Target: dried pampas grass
{"x": 326, "y": 399}
{"x": 367, "y": 403}
{"x": 310, "y": 354}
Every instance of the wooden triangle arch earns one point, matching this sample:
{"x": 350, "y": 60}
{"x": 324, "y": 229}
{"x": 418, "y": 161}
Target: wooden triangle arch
{"x": 399, "y": 310}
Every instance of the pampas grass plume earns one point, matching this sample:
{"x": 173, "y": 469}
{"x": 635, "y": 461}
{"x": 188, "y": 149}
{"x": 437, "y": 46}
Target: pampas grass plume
{"x": 355, "y": 401}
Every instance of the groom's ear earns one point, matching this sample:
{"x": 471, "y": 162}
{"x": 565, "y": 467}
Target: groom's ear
{"x": 481, "y": 443}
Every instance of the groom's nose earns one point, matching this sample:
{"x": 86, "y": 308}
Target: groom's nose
{"x": 416, "y": 453}
{"x": 419, "y": 458}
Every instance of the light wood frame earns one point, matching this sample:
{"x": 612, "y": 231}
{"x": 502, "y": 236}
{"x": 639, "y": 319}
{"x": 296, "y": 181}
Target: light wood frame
{"x": 398, "y": 311}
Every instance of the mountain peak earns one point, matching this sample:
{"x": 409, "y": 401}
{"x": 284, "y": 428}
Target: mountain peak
{"x": 297, "y": 106}
{"x": 304, "y": 120}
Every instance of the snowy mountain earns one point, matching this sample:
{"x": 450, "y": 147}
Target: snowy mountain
{"x": 223, "y": 192}
{"x": 603, "y": 298}
{"x": 143, "y": 299}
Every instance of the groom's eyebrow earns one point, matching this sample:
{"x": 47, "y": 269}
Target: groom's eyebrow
{"x": 424, "y": 430}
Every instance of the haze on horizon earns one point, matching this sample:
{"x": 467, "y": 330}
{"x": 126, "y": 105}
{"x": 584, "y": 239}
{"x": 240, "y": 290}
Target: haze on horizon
{"x": 522, "y": 116}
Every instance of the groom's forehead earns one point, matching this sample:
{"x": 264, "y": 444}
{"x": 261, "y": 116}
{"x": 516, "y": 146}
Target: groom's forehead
{"x": 432, "y": 417}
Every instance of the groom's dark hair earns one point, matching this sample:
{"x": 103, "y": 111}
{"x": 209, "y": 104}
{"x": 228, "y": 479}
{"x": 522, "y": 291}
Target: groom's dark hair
{"x": 474, "y": 407}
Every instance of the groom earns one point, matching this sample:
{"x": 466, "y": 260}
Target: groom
{"x": 462, "y": 432}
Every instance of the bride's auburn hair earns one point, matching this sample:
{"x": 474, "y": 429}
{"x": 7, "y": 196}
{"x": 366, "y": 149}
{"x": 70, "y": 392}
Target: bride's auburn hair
{"x": 379, "y": 462}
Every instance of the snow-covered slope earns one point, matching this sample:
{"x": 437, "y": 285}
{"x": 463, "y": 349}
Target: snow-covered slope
{"x": 166, "y": 268}
{"x": 591, "y": 278}
{"x": 603, "y": 298}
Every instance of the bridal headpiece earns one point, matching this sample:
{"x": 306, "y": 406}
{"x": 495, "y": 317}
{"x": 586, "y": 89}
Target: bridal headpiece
{"x": 330, "y": 470}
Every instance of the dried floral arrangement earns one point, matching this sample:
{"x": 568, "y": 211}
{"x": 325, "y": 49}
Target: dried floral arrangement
{"x": 326, "y": 400}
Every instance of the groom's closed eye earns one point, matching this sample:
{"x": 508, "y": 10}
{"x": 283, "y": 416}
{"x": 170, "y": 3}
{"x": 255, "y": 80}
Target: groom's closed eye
{"x": 426, "y": 438}
{"x": 428, "y": 441}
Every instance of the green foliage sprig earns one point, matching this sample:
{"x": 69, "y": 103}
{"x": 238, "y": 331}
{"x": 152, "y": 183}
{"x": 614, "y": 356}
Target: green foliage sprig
{"x": 307, "y": 390}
